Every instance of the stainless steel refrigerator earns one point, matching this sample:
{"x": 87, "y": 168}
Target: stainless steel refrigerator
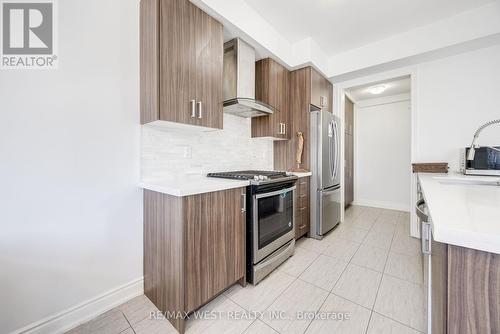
{"x": 325, "y": 168}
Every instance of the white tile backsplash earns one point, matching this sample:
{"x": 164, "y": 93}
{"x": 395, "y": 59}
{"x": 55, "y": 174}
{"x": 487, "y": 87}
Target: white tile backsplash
{"x": 172, "y": 153}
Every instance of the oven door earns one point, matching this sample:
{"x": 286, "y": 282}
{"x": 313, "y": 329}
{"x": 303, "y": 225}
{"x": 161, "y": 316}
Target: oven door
{"x": 273, "y": 221}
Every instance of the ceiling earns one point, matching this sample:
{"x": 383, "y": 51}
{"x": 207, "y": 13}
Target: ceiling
{"x": 395, "y": 86}
{"x": 341, "y": 25}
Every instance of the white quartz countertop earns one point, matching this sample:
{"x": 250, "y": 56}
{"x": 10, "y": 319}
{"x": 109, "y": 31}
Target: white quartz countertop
{"x": 463, "y": 214}
{"x": 304, "y": 174}
{"x": 192, "y": 186}
{"x": 199, "y": 184}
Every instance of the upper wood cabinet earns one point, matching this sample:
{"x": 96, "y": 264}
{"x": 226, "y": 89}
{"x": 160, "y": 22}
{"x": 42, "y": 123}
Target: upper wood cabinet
{"x": 321, "y": 91}
{"x": 272, "y": 86}
{"x": 181, "y": 64}
{"x": 306, "y": 88}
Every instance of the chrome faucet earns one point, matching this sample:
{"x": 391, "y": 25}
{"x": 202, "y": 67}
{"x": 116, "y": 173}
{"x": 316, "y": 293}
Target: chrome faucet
{"x": 473, "y": 146}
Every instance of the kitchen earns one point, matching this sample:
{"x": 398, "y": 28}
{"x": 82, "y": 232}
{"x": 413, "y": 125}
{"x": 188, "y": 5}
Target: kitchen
{"x": 173, "y": 217}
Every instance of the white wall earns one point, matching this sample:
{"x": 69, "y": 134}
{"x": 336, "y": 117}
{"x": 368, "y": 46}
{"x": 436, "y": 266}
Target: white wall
{"x": 70, "y": 208}
{"x": 382, "y": 140}
{"x": 455, "y": 96}
{"x": 177, "y": 153}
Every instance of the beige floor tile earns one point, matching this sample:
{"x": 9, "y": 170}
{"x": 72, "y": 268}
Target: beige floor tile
{"x": 405, "y": 267}
{"x": 362, "y": 223}
{"x": 312, "y": 244}
{"x": 299, "y": 297}
{"x": 324, "y": 272}
{"x": 355, "y": 324}
{"x": 402, "y": 229}
{"x": 341, "y": 249}
{"x": 384, "y": 226}
{"x": 404, "y": 217}
{"x": 137, "y": 309}
{"x": 405, "y": 245}
{"x": 402, "y": 301}
{"x": 258, "y": 297}
{"x": 221, "y": 315}
{"x": 154, "y": 326}
{"x": 111, "y": 322}
{"x": 369, "y": 215}
{"x": 389, "y": 215}
{"x": 347, "y": 232}
{"x": 259, "y": 327}
{"x": 380, "y": 240}
{"x": 128, "y": 331}
{"x": 370, "y": 257}
{"x": 358, "y": 285}
{"x": 297, "y": 263}
{"x": 382, "y": 325}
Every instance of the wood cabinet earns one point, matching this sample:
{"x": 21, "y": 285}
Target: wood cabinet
{"x": 348, "y": 169}
{"x": 349, "y": 116}
{"x": 194, "y": 248}
{"x": 302, "y": 212}
{"x": 272, "y": 86}
{"x": 349, "y": 152}
{"x": 465, "y": 286}
{"x": 301, "y": 99}
{"x": 181, "y": 64}
{"x": 321, "y": 91}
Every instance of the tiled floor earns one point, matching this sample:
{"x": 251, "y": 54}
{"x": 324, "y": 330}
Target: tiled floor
{"x": 368, "y": 270}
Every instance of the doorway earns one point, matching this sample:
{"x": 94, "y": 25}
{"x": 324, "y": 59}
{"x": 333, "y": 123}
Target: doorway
{"x": 378, "y": 144}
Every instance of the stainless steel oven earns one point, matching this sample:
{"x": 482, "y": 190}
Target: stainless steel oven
{"x": 273, "y": 221}
{"x": 270, "y": 227}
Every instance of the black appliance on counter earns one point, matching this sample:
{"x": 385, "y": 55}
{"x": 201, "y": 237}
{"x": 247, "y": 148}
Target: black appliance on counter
{"x": 270, "y": 219}
{"x": 486, "y": 161}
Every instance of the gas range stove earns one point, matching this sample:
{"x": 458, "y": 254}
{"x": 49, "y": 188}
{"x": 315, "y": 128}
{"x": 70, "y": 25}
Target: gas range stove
{"x": 256, "y": 177}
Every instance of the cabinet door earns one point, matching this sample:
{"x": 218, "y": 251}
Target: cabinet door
{"x": 349, "y": 116}
{"x": 177, "y": 61}
{"x": 316, "y": 88}
{"x": 209, "y": 51}
{"x": 272, "y": 86}
{"x": 215, "y": 244}
{"x": 439, "y": 286}
{"x": 349, "y": 169}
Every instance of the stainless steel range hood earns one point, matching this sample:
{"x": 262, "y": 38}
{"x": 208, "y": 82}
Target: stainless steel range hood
{"x": 239, "y": 81}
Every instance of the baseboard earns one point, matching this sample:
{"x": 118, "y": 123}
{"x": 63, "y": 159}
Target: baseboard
{"x": 72, "y": 317}
{"x": 382, "y": 204}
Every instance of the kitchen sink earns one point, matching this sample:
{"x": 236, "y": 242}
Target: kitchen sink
{"x": 467, "y": 180}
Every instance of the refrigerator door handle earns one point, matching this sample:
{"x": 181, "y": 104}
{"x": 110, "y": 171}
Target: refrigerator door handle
{"x": 332, "y": 151}
{"x": 337, "y": 149}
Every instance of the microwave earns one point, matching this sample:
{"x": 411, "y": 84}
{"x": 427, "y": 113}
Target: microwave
{"x": 486, "y": 161}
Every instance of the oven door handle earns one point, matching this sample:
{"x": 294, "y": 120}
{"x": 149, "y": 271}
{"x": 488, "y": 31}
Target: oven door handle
{"x": 274, "y": 193}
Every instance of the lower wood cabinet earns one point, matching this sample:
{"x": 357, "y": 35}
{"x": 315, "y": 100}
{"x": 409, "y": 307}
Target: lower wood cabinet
{"x": 194, "y": 248}
{"x": 302, "y": 211}
{"x": 465, "y": 296}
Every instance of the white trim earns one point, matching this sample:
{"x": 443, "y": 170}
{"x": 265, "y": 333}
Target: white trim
{"x": 83, "y": 312}
{"x": 339, "y": 93}
{"x": 382, "y": 204}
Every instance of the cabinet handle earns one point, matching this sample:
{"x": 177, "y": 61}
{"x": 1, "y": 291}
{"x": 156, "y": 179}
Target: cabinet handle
{"x": 193, "y": 108}
{"x": 244, "y": 207}
{"x": 200, "y": 115}
{"x": 284, "y": 128}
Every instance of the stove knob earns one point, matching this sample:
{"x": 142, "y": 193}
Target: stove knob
{"x": 256, "y": 178}
{"x": 262, "y": 177}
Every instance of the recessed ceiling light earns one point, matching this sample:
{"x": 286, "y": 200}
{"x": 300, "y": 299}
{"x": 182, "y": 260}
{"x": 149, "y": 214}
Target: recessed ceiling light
{"x": 378, "y": 89}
